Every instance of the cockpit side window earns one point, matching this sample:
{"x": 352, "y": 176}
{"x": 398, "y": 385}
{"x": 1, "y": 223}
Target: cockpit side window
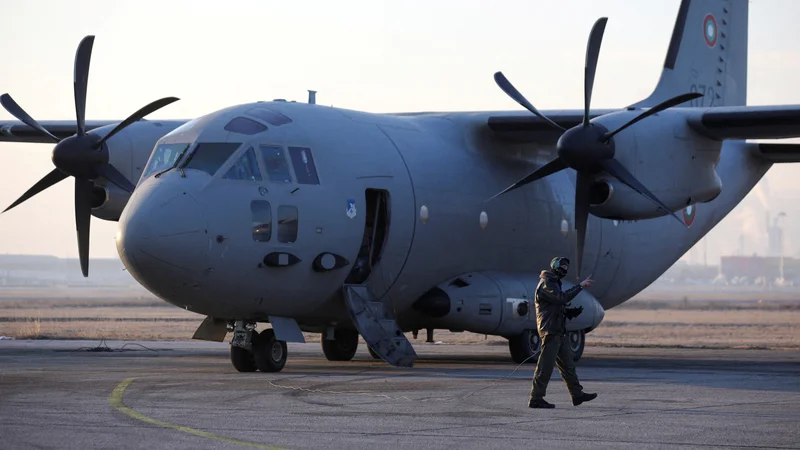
{"x": 209, "y": 156}
{"x": 304, "y": 168}
{"x": 262, "y": 220}
{"x": 287, "y": 224}
{"x": 163, "y": 157}
{"x": 246, "y": 168}
{"x": 275, "y": 163}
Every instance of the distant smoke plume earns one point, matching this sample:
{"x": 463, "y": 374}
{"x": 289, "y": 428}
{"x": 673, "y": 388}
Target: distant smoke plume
{"x": 750, "y": 223}
{"x": 762, "y": 193}
{"x": 752, "y": 219}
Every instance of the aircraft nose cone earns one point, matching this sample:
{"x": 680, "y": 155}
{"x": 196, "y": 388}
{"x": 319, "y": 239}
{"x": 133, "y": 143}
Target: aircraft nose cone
{"x": 164, "y": 243}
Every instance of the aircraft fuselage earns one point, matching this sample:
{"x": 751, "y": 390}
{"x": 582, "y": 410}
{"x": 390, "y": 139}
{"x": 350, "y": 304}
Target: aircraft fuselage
{"x": 188, "y": 236}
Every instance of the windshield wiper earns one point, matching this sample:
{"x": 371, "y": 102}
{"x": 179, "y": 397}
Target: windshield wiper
{"x": 175, "y": 165}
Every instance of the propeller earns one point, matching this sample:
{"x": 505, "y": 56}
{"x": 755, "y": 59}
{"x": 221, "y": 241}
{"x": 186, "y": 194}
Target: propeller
{"x": 588, "y": 148}
{"x": 83, "y": 156}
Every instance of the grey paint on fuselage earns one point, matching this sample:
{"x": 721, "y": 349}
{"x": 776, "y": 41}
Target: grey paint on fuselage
{"x": 187, "y": 236}
{"x": 449, "y": 163}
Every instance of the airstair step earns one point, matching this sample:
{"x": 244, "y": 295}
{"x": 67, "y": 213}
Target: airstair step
{"x": 380, "y": 331}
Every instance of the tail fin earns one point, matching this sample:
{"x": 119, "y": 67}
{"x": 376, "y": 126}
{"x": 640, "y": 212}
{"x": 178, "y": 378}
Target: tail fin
{"x": 707, "y": 54}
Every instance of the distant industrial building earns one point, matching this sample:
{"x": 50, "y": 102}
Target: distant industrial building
{"x": 765, "y": 267}
{"x": 770, "y": 268}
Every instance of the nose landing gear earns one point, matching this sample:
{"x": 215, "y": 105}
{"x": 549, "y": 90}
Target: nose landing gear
{"x": 251, "y": 350}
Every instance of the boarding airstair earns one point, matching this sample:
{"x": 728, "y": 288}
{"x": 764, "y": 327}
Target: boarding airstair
{"x": 378, "y": 329}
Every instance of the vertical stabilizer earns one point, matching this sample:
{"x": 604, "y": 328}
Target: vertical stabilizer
{"x": 707, "y": 54}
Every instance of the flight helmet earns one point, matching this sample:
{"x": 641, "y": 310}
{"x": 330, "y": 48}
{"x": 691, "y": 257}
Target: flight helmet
{"x": 560, "y": 265}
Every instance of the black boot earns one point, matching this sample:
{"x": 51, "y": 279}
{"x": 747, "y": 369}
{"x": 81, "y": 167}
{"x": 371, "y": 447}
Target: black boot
{"x": 540, "y": 403}
{"x": 584, "y": 397}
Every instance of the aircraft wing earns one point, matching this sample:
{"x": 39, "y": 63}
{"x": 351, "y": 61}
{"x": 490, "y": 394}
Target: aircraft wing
{"x": 527, "y": 127}
{"x": 16, "y": 131}
{"x": 747, "y": 122}
{"x": 778, "y": 153}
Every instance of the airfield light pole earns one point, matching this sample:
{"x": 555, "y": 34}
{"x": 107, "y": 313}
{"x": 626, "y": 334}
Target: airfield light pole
{"x": 705, "y": 251}
{"x": 780, "y": 240}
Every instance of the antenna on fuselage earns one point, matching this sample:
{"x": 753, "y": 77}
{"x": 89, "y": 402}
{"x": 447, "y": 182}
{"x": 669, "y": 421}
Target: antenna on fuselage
{"x": 312, "y": 97}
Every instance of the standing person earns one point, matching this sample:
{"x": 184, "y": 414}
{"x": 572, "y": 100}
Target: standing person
{"x": 551, "y": 320}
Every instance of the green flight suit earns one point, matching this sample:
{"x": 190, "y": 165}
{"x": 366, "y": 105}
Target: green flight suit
{"x": 551, "y": 305}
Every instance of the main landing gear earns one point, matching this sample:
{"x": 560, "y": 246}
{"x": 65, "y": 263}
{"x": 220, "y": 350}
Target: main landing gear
{"x": 342, "y": 347}
{"x": 526, "y": 346}
{"x": 251, "y": 350}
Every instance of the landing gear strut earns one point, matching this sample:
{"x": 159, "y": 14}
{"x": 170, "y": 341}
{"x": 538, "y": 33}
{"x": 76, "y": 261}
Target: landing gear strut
{"x": 251, "y": 350}
{"x": 342, "y": 347}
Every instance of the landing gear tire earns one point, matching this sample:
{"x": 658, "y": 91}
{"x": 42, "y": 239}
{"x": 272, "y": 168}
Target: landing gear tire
{"x": 269, "y": 354}
{"x": 577, "y": 341}
{"x": 242, "y": 359}
{"x": 525, "y": 347}
{"x": 373, "y": 354}
{"x": 343, "y": 346}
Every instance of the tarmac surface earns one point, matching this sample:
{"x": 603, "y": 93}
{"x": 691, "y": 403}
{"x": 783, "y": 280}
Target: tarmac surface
{"x": 186, "y": 395}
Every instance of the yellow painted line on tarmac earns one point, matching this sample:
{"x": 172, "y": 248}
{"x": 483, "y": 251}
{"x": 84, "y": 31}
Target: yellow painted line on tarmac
{"x": 116, "y": 401}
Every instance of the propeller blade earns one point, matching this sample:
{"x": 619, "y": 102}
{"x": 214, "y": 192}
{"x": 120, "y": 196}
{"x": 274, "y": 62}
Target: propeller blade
{"x": 15, "y": 110}
{"x": 83, "y": 216}
{"x": 654, "y": 110}
{"x": 141, "y": 113}
{"x": 113, "y": 175}
{"x": 512, "y": 92}
{"x": 81, "y": 79}
{"x": 48, "y": 180}
{"x": 548, "y": 169}
{"x": 618, "y": 171}
{"x": 583, "y": 191}
{"x": 592, "y": 55}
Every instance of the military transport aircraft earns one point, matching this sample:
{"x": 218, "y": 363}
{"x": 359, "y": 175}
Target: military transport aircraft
{"x": 321, "y": 219}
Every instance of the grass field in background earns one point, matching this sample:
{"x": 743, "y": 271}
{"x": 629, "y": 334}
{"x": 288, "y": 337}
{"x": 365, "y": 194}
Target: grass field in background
{"x": 697, "y": 318}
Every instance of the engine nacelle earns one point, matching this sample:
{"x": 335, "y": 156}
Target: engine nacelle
{"x": 612, "y": 199}
{"x": 108, "y": 201}
{"x": 497, "y": 303}
{"x": 677, "y": 166}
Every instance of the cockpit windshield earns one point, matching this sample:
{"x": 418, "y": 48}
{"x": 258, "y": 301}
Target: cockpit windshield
{"x": 246, "y": 168}
{"x": 163, "y": 157}
{"x": 210, "y": 156}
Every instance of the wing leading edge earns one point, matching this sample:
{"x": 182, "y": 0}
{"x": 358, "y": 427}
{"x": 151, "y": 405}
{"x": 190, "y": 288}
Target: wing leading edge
{"x": 747, "y": 122}
{"x": 15, "y": 131}
{"x": 721, "y": 123}
{"x": 529, "y": 128}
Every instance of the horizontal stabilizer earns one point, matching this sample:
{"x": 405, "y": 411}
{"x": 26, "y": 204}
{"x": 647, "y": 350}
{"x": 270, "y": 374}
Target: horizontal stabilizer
{"x": 779, "y": 153}
{"x": 747, "y": 122}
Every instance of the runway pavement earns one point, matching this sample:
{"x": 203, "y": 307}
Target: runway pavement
{"x": 56, "y": 394}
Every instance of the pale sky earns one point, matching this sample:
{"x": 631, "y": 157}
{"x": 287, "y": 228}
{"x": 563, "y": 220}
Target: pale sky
{"x": 371, "y": 55}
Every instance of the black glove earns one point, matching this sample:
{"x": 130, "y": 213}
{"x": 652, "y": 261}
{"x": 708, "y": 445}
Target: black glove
{"x": 574, "y": 312}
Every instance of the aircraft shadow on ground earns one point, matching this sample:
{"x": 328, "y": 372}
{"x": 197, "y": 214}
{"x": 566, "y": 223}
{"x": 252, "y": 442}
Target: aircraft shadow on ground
{"x": 767, "y": 373}
{"x": 778, "y": 375}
